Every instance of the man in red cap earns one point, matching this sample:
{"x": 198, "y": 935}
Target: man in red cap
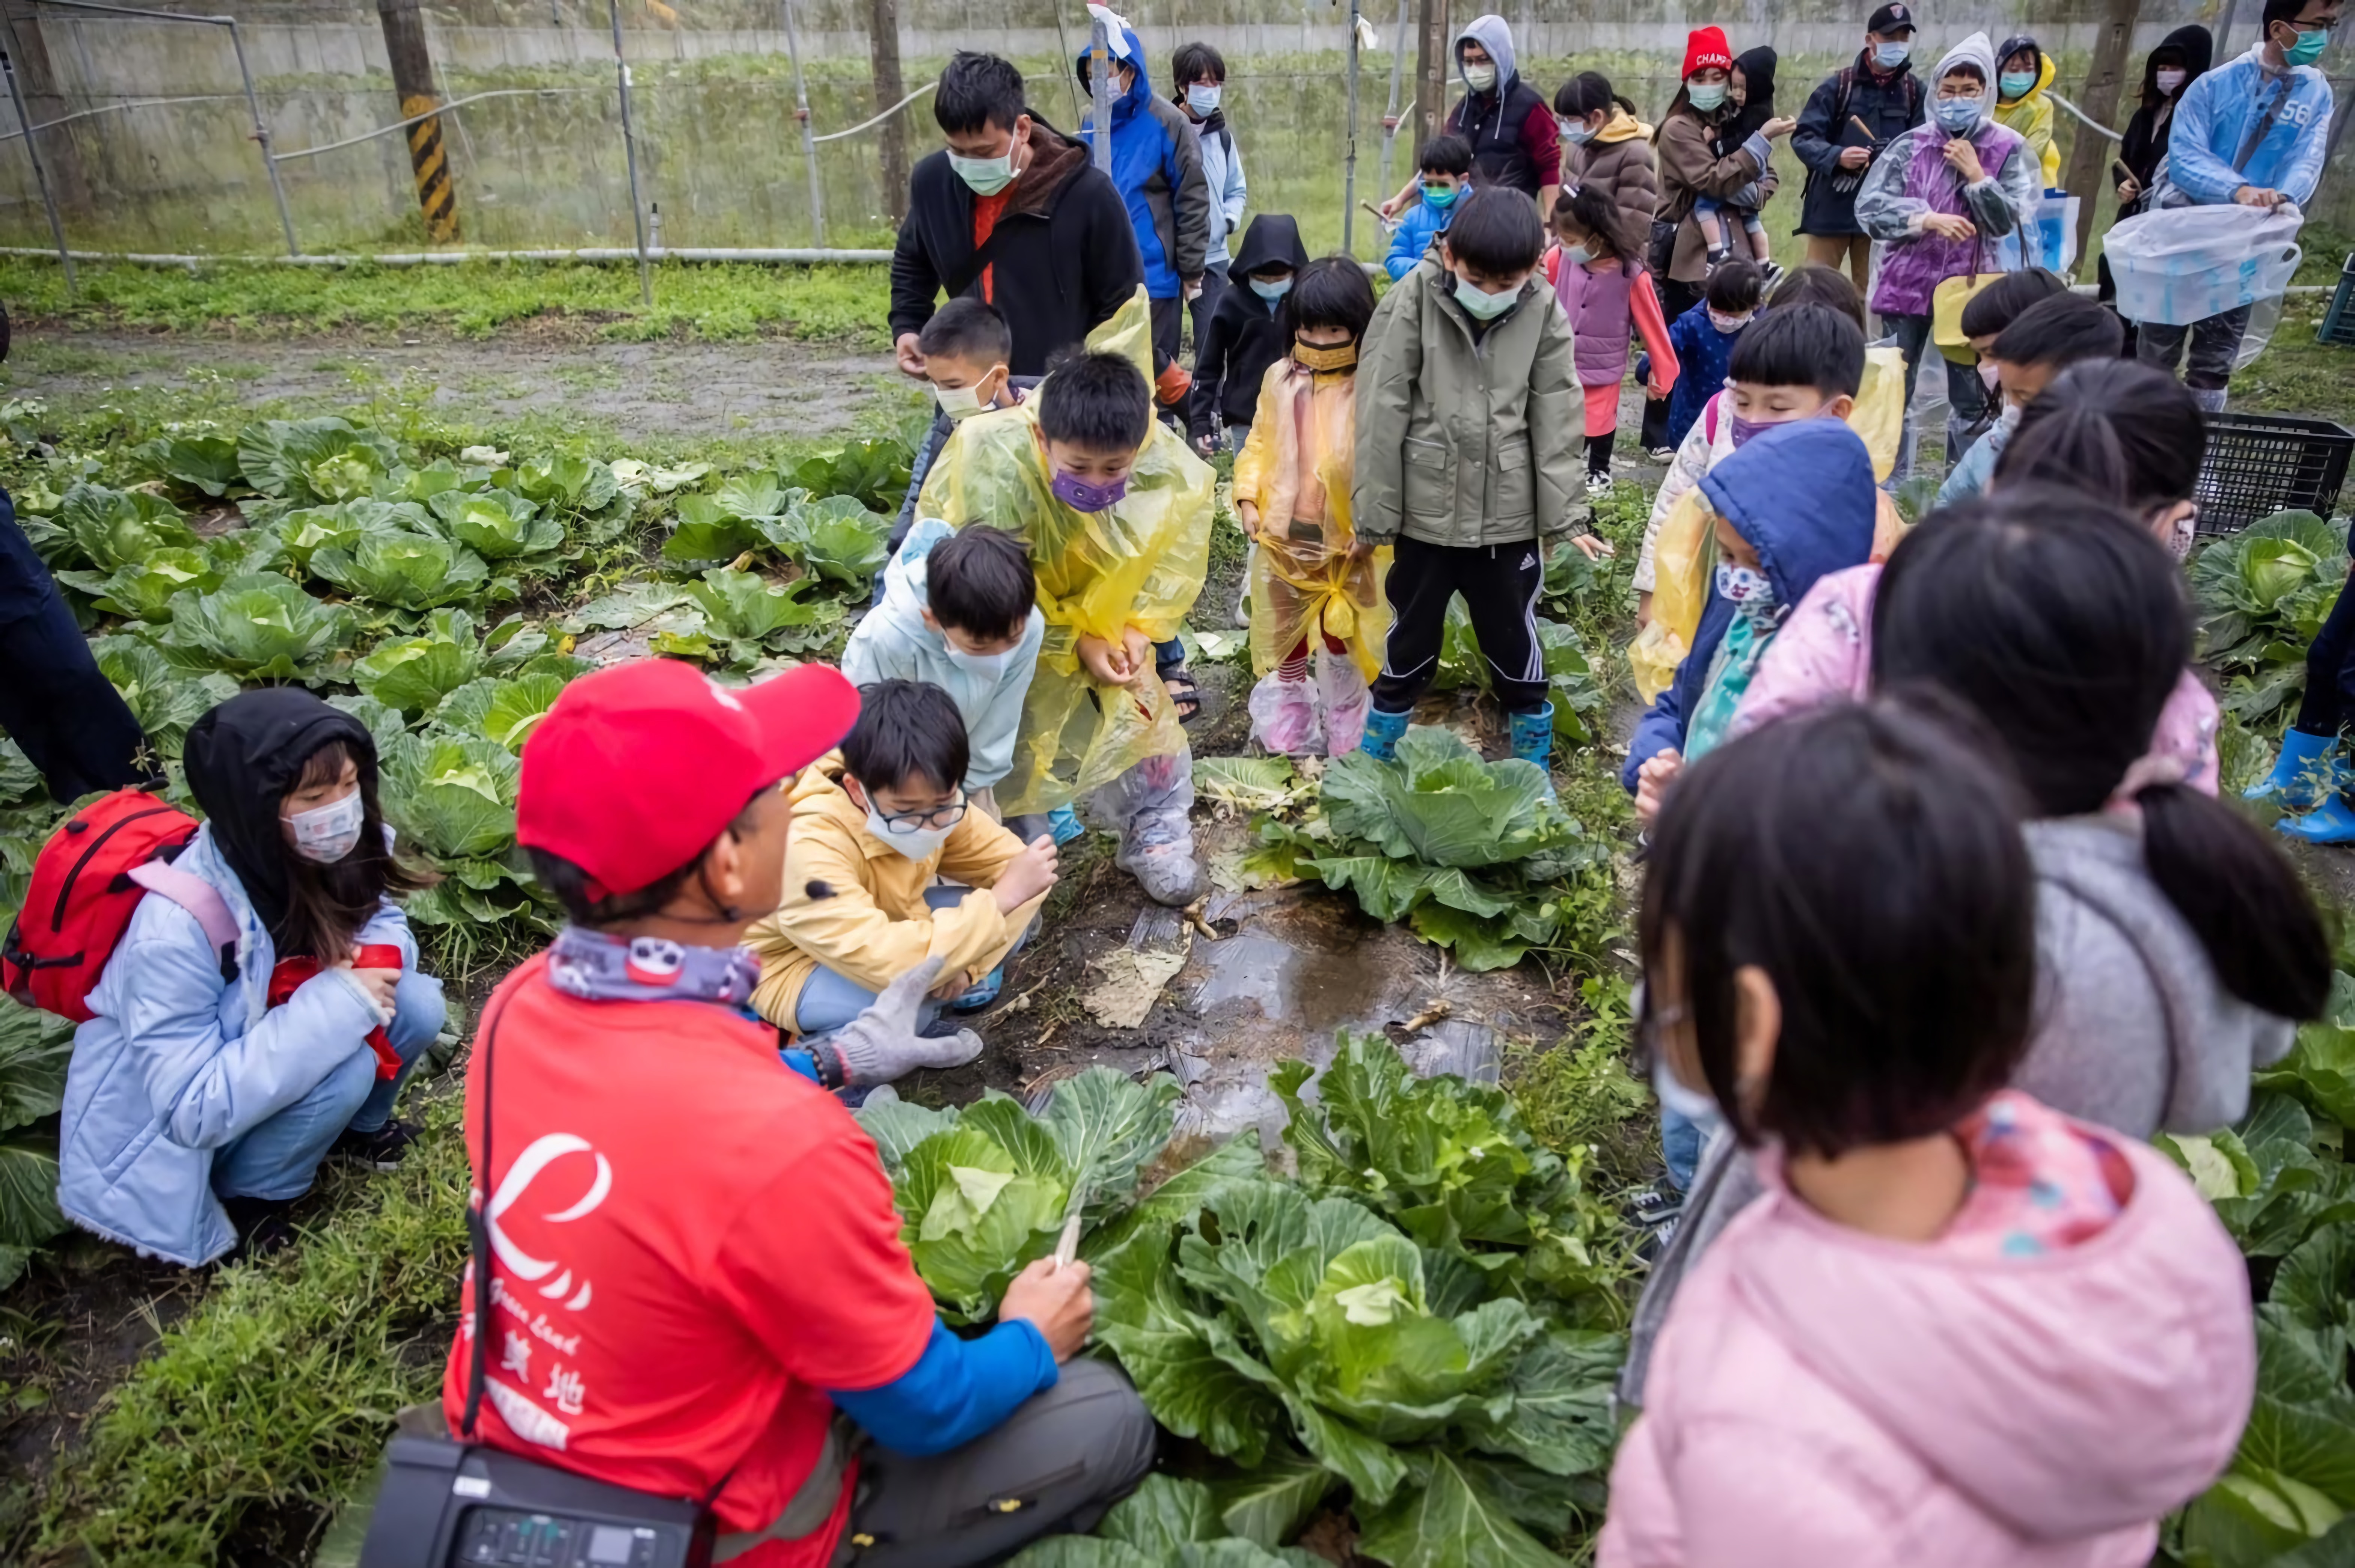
{"x": 698, "y": 1287}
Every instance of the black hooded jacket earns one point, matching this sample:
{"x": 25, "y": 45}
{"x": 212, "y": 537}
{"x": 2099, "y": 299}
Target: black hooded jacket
{"x": 1244, "y": 337}
{"x": 2145, "y": 138}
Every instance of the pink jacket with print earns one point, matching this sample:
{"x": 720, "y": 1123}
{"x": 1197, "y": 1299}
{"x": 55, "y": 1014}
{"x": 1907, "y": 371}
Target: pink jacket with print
{"x": 1823, "y": 651}
{"x": 1825, "y": 1399}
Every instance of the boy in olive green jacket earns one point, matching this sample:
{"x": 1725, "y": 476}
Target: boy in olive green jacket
{"x": 1469, "y": 418}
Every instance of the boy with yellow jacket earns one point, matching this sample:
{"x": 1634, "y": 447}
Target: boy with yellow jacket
{"x": 1313, "y": 583}
{"x": 874, "y": 825}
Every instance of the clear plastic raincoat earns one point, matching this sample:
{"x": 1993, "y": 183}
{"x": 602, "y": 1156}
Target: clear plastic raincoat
{"x": 1303, "y": 583}
{"x": 1139, "y": 563}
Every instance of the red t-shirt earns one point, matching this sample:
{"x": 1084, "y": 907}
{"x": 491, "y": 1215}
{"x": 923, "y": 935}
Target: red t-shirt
{"x": 985, "y": 210}
{"x": 691, "y": 1243}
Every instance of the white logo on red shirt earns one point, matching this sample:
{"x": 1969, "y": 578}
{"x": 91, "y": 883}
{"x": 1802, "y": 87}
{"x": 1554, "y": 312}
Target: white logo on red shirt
{"x": 545, "y": 1151}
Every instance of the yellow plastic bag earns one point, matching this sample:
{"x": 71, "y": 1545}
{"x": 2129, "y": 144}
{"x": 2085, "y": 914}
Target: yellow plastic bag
{"x": 1139, "y": 563}
{"x": 1880, "y": 412}
{"x": 1682, "y": 557}
{"x": 1946, "y": 303}
{"x": 1303, "y": 583}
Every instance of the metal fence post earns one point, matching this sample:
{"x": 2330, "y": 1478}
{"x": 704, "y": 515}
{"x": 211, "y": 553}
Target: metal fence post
{"x": 1391, "y": 115}
{"x": 261, "y": 134}
{"x": 630, "y": 153}
{"x": 1100, "y": 88}
{"x": 801, "y": 113}
{"x": 1349, "y": 153}
{"x": 40, "y": 173}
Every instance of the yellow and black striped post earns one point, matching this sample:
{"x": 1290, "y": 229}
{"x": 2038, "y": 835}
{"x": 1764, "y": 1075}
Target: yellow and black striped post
{"x": 413, "y": 78}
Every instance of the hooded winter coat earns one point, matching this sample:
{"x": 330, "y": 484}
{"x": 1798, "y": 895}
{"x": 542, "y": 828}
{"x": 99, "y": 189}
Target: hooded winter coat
{"x": 893, "y": 643}
{"x": 1910, "y": 180}
{"x": 1619, "y": 160}
{"x": 1690, "y": 169}
{"x": 1466, "y": 437}
{"x": 2031, "y": 114}
{"x": 1889, "y": 105}
{"x": 1822, "y": 1398}
{"x": 1063, "y": 257}
{"x": 1245, "y": 336}
{"x": 1156, "y": 165}
{"x": 1511, "y": 128}
{"x": 2218, "y": 112}
{"x": 2147, "y": 133}
{"x": 180, "y": 1063}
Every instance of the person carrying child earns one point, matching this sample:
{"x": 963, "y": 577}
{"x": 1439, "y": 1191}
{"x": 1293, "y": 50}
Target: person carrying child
{"x": 2048, "y": 338}
{"x": 1703, "y": 340}
{"x": 1958, "y": 1327}
{"x": 211, "y": 1084}
{"x": 1311, "y": 581}
{"x": 1446, "y": 165}
{"x": 1246, "y": 333}
{"x": 1942, "y": 197}
{"x": 1731, "y": 226}
{"x": 1463, "y": 460}
{"x": 960, "y": 612}
{"x": 1116, "y": 509}
{"x": 1606, "y": 295}
{"x": 875, "y": 826}
{"x": 965, "y": 348}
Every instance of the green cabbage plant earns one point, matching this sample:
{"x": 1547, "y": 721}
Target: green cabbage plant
{"x": 306, "y": 531}
{"x": 501, "y": 709}
{"x": 403, "y": 570}
{"x": 204, "y": 464}
{"x": 314, "y": 461}
{"x": 115, "y": 528}
{"x": 498, "y": 525}
{"x": 258, "y": 627}
{"x": 752, "y": 615}
{"x": 413, "y": 674}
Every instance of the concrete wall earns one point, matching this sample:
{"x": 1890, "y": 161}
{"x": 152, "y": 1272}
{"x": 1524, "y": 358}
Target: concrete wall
{"x": 713, "y": 93}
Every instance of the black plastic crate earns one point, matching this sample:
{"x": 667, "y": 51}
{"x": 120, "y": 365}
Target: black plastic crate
{"x": 2257, "y": 465}
{"x": 2338, "y": 321}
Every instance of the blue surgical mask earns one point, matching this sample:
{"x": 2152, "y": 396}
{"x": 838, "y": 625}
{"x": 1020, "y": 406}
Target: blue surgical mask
{"x": 1708, "y": 99}
{"x": 1577, "y": 133}
{"x": 2308, "y": 47}
{"x": 1439, "y": 197}
{"x": 1482, "y": 306}
{"x": 2016, "y": 85}
{"x": 1888, "y": 57}
{"x": 1203, "y": 97}
{"x": 1271, "y": 289}
{"x": 986, "y": 176}
{"x": 1957, "y": 116}
{"x": 1582, "y": 254}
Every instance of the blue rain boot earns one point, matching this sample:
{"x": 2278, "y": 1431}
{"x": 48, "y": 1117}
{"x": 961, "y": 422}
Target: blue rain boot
{"x": 1533, "y": 741}
{"x": 1382, "y": 732}
{"x": 982, "y": 993}
{"x": 2333, "y": 824}
{"x": 2307, "y": 770}
{"x": 1064, "y": 824}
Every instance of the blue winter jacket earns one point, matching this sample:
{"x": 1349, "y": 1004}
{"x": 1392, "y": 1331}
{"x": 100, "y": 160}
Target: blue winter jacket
{"x": 1704, "y": 355}
{"x": 1802, "y": 495}
{"x": 1418, "y": 225}
{"x": 179, "y": 1063}
{"x": 2217, "y": 114}
{"x": 1156, "y": 165}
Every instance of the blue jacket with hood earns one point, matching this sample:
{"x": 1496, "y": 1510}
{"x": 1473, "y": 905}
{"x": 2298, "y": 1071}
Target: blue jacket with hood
{"x": 2221, "y": 110}
{"x": 1802, "y": 495}
{"x": 1156, "y": 165}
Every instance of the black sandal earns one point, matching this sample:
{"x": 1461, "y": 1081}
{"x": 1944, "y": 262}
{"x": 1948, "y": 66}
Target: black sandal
{"x": 1183, "y": 693}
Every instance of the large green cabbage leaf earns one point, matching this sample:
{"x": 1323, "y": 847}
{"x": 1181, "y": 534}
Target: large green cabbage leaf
{"x": 414, "y": 674}
{"x": 115, "y": 528}
{"x": 257, "y": 627}
{"x": 754, "y": 614}
{"x": 452, "y": 794}
{"x": 206, "y": 464}
{"x": 316, "y": 461}
{"x": 306, "y": 531}
{"x": 146, "y": 589}
{"x": 707, "y": 530}
{"x": 835, "y": 538}
{"x": 498, "y": 525}
{"x": 165, "y": 700}
{"x": 406, "y": 571}
{"x": 502, "y": 709}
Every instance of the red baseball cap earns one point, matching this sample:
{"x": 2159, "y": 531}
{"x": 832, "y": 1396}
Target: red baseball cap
{"x": 637, "y": 768}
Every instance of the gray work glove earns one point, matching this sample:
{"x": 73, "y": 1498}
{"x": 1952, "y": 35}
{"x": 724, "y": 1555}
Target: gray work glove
{"x": 881, "y": 1044}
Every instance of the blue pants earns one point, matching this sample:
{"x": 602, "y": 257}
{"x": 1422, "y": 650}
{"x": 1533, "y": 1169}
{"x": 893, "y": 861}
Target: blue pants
{"x": 829, "y": 1000}
{"x": 278, "y": 1159}
{"x": 1682, "y": 1141}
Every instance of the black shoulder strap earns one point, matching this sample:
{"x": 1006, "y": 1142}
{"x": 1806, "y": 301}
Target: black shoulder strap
{"x": 1840, "y": 106}
{"x": 2263, "y": 127}
{"x": 478, "y": 1246}
{"x": 983, "y": 254}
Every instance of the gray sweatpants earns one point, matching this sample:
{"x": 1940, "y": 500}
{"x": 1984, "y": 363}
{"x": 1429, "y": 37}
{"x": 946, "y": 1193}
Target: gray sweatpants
{"x": 2214, "y": 343}
{"x": 1056, "y": 1466}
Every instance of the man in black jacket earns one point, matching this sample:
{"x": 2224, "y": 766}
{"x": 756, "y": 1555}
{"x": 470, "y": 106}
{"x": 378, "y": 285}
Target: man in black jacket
{"x": 1014, "y": 212}
{"x": 1850, "y": 116}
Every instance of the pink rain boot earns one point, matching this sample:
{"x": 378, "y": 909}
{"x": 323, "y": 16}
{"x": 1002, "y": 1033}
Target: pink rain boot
{"x": 1283, "y": 715}
{"x": 1342, "y": 687}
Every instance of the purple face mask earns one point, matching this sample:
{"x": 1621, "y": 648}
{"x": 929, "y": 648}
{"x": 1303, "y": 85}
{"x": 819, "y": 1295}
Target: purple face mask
{"x": 1082, "y": 496}
{"x": 1745, "y": 430}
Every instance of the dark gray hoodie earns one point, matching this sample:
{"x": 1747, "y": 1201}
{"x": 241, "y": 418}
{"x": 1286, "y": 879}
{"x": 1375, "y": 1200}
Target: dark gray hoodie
{"x": 2132, "y": 1031}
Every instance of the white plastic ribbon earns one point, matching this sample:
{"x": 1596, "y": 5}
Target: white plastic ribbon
{"x": 1115, "y": 29}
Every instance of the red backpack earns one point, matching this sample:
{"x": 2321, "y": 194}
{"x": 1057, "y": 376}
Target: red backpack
{"x": 86, "y": 882}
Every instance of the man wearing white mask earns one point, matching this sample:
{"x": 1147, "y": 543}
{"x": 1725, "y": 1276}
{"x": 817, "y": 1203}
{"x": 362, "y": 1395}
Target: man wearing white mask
{"x": 1013, "y": 213}
{"x": 1199, "y": 73}
{"x": 875, "y": 826}
{"x": 1515, "y": 141}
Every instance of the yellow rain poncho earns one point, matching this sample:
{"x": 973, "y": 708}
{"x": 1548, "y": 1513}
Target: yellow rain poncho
{"x": 1303, "y": 582}
{"x": 1138, "y": 563}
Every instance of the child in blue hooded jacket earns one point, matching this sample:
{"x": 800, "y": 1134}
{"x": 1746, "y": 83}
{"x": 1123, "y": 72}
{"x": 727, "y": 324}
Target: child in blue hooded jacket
{"x": 1156, "y": 165}
{"x": 1445, "y": 174}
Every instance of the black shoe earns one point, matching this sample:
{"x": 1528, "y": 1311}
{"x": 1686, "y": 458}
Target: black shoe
{"x": 262, "y": 1226}
{"x": 382, "y": 1150}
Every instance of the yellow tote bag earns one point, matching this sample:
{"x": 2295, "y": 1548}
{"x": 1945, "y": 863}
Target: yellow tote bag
{"x": 1946, "y": 303}
{"x": 1681, "y": 559}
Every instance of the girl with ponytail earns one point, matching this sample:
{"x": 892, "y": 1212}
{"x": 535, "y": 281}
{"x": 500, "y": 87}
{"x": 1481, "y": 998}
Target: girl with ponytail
{"x": 2115, "y": 428}
{"x": 2176, "y": 948}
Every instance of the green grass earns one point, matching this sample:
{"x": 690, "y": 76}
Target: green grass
{"x": 719, "y": 303}
{"x": 2295, "y": 374}
{"x": 270, "y": 1403}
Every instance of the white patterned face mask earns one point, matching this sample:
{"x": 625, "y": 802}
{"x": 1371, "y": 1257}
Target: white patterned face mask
{"x": 326, "y": 834}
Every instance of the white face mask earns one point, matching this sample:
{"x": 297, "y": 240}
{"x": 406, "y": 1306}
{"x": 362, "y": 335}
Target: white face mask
{"x": 983, "y": 667}
{"x": 961, "y": 402}
{"x": 1989, "y": 377}
{"x": 915, "y": 843}
{"x": 1482, "y": 306}
{"x": 1690, "y": 1103}
{"x": 326, "y": 834}
{"x": 2168, "y": 80}
{"x": 1203, "y": 97}
{"x": 1729, "y": 323}
{"x": 1480, "y": 78}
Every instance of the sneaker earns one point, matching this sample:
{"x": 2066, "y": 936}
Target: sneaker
{"x": 382, "y": 1150}
{"x": 1598, "y": 485}
{"x": 1662, "y": 454}
{"x": 982, "y": 993}
{"x": 263, "y": 1224}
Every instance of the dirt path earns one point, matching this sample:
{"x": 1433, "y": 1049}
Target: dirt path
{"x": 770, "y": 388}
